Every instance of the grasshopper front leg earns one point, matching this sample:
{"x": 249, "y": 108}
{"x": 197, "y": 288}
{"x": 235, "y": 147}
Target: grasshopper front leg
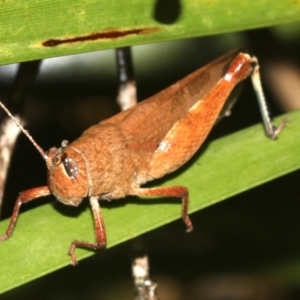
{"x": 24, "y": 197}
{"x": 100, "y": 232}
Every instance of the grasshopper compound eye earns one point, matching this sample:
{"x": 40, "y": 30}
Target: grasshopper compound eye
{"x": 70, "y": 166}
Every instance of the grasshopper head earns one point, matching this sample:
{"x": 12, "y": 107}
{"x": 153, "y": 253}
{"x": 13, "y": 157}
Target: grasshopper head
{"x": 67, "y": 174}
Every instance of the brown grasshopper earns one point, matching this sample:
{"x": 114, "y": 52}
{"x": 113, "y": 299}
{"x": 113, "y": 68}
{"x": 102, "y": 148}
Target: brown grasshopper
{"x": 112, "y": 159}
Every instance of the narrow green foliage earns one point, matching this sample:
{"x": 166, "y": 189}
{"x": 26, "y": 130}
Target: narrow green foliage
{"x": 26, "y": 25}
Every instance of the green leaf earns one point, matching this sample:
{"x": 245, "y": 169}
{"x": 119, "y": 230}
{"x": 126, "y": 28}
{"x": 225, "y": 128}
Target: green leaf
{"x": 26, "y": 25}
{"x": 228, "y": 166}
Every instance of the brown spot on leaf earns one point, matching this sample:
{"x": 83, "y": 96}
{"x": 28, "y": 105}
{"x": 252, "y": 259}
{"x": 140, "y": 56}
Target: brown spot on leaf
{"x": 104, "y": 35}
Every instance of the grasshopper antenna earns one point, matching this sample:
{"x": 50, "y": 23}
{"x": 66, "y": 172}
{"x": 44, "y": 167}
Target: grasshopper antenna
{"x": 42, "y": 152}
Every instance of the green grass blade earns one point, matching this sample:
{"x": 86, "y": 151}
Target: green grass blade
{"x": 26, "y": 25}
{"x": 227, "y": 166}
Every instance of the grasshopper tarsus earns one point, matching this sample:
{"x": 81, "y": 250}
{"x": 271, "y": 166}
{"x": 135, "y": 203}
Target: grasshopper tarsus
{"x": 82, "y": 244}
{"x": 279, "y": 128}
{"x": 188, "y": 223}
